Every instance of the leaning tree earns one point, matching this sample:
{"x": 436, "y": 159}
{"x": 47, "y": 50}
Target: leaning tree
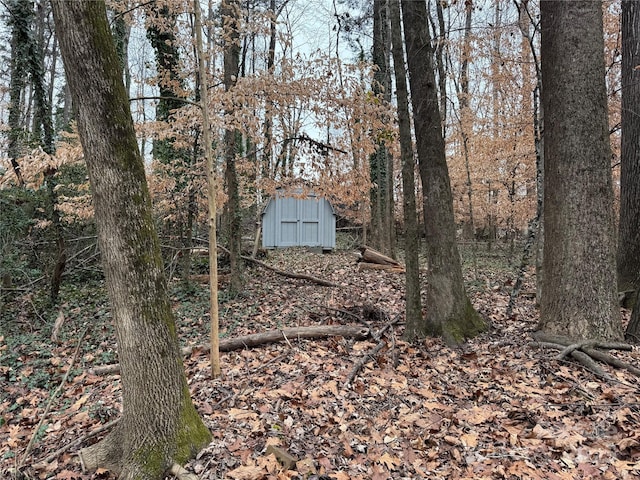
{"x": 160, "y": 426}
{"x": 449, "y": 312}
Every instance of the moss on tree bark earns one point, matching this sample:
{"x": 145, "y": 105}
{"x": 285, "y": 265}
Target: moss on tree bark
{"x": 159, "y": 424}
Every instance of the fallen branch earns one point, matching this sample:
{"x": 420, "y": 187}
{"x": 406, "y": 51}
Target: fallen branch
{"x": 50, "y": 458}
{"x": 371, "y": 355}
{"x": 55, "y": 393}
{"x": 256, "y": 339}
{"x": 299, "y": 276}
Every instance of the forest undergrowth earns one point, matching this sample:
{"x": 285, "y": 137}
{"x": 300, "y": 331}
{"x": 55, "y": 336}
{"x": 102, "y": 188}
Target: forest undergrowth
{"x": 494, "y": 408}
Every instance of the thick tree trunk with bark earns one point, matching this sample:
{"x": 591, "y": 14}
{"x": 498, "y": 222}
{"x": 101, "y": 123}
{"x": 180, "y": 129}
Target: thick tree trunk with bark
{"x": 579, "y": 298}
{"x": 629, "y": 226}
{"x": 413, "y": 302}
{"x": 159, "y": 425}
{"x": 449, "y": 311}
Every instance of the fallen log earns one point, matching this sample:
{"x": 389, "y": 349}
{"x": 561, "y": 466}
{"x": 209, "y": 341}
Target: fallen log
{"x": 370, "y": 255}
{"x": 256, "y": 339}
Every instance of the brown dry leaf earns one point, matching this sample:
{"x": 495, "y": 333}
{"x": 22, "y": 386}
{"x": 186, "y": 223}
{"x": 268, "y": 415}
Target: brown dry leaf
{"x": 242, "y": 414}
{"x": 542, "y": 433}
{"x": 389, "y": 461}
{"x": 379, "y": 473}
{"x": 469, "y": 440}
{"x": 306, "y": 466}
{"x": 67, "y": 475}
{"x": 340, "y": 476}
{"x": 628, "y": 443}
{"x": 247, "y": 473}
{"x": 81, "y": 401}
{"x": 567, "y": 440}
{"x": 477, "y": 415}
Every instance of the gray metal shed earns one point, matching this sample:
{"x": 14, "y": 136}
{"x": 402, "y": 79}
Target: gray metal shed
{"x": 297, "y": 221}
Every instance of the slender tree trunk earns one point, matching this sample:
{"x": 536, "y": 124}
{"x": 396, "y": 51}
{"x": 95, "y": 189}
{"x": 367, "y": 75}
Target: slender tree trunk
{"x": 413, "y": 305}
{"x": 449, "y": 311}
{"x": 380, "y": 161}
{"x": 159, "y": 424}
{"x": 466, "y": 124}
{"x": 580, "y": 297}
{"x": 529, "y": 27}
{"x": 267, "y": 154}
{"x": 121, "y": 32}
{"x": 20, "y": 22}
{"x": 212, "y": 192}
{"x": 43, "y": 134}
{"x": 230, "y": 10}
{"x": 629, "y": 234}
{"x": 440, "y": 64}
{"x": 628, "y": 257}
{"x": 161, "y": 33}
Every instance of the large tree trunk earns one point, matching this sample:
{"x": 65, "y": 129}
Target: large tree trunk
{"x": 629, "y": 226}
{"x": 413, "y": 305}
{"x": 579, "y": 299}
{"x": 449, "y": 311}
{"x": 159, "y": 424}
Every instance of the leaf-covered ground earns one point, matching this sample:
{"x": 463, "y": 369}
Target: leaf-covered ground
{"x": 494, "y": 408}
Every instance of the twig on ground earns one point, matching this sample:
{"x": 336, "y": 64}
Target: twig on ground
{"x": 299, "y": 276}
{"x": 50, "y": 458}
{"x": 371, "y": 355}
{"x": 55, "y": 393}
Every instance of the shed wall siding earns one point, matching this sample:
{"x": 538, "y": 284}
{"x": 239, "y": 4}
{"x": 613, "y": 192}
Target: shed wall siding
{"x": 292, "y": 222}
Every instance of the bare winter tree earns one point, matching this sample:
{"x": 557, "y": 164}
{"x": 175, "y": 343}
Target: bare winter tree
{"x": 160, "y": 426}
{"x": 413, "y": 308}
{"x": 629, "y": 229}
{"x": 579, "y": 296}
{"x": 449, "y": 311}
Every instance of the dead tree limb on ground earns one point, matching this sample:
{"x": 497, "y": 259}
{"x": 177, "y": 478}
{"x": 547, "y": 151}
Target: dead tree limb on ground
{"x": 299, "y": 276}
{"x": 587, "y": 353}
{"x": 371, "y": 354}
{"x": 256, "y": 339}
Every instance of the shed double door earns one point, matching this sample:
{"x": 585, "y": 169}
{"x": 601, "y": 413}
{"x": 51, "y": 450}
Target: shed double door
{"x": 298, "y": 222}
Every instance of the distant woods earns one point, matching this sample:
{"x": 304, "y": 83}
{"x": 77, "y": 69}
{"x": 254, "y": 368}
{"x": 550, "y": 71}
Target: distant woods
{"x": 283, "y": 114}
